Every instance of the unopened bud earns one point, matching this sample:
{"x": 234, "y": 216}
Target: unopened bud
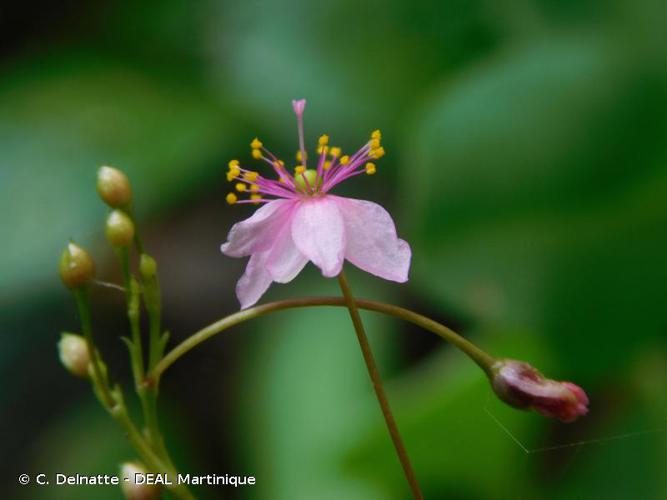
{"x": 76, "y": 266}
{"x": 133, "y": 482}
{"x": 113, "y": 187}
{"x": 520, "y": 385}
{"x": 119, "y": 229}
{"x": 147, "y": 266}
{"x": 74, "y": 354}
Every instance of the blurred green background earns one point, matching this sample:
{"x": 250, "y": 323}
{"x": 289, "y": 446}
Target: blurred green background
{"x": 526, "y": 166}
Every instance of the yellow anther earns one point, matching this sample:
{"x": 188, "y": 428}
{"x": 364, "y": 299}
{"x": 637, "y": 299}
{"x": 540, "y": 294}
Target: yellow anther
{"x": 299, "y": 156}
{"x": 256, "y": 143}
{"x": 257, "y": 154}
{"x": 233, "y": 174}
{"x": 250, "y": 176}
{"x": 282, "y": 180}
{"x": 377, "y": 153}
{"x": 344, "y": 160}
{"x": 231, "y": 198}
{"x": 233, "y": 164}
{"x": 254, "y": 188}
{"x": 370, "y": 168}
{"x": 376, "y": 135}
{"x": 256, "y": 197}
{"x": 240, "y": 187}
{"x": 374, "y": 143}
{"x": 299, "y": 169}
{"x": 278, "y": 164}
{"x": 335, "y": 151}
{"x": 323, "y": 140}
{"x": 322, "y": 150}
{"x": 327, "y": 165}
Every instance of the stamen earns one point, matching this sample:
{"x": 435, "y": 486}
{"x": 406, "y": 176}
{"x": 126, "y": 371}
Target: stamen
{"x": 344, "y": 160}
{"x": 231, "y": 198}
{"x": 370, "y": 168}
{"x": 376, "y": 153}
{"x": 256, "y": 198}
{"x": 233, "y": 174}
{"x": 240, "y": 187}
{"x": 299, "y": 106}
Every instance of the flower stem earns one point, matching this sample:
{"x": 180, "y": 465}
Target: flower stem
{"x": 147, "y": 393}
{"x": 484, "y": 360}
{"x": 98, "y": 375}
{"x": 379, "y": 387}
{"x": 148, "y": 455}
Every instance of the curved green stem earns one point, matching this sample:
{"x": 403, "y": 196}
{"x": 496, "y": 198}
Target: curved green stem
{"x": 484, "y": 360}
{"x": 378, "y": 387}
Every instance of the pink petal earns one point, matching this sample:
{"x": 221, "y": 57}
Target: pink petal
{"x": 318, "y": 233}
{"x": 372, "y": 244}
{"x": 258, "y": 232}
{"x": 285, "y": 261}
{"x": 255, "y": 281}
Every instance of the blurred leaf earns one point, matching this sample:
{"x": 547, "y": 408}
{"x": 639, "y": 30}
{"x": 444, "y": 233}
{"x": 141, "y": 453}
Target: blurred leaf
{"x": 63, "y": 117}
{"x": 455, "y": 446}
{"x": 346, "y": 57}
{"x": 86, "y": 441}
{"x": 540, "y": 205}
{"x": 306, "y": 393}
{"x": 628, "y": 460}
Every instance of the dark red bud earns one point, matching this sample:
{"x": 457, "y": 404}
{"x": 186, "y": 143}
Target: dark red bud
{"x": 520, "y": 385}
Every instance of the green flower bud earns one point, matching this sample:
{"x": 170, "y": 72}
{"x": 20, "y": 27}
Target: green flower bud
{"x": 147, "y": 266}
{"x": 74, "y": 354}
{"x": 76, "y": 266}
{"x": 132, "y": 473}
{"x": 114, "y": 187}
{"x": 119, "y": 229}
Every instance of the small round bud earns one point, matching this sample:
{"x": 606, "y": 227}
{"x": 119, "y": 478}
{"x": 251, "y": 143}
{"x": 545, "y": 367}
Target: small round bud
{"x": 113, "y": 187}
{"x": 147, "y": 266}
{"x": 133, "y": 482}
{"x": 74, "y": 354}
{"x": 76, "y": 266}
{"x": 119, "y": 229}
{"x": 309, "y": 183}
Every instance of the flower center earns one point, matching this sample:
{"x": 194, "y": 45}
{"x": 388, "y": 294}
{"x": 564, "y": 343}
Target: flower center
{"x": 308, "y": 182}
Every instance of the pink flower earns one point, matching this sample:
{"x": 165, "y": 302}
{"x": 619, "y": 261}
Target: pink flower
{"x": 301, "y": 221}
{"x": 522, "y": 386}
